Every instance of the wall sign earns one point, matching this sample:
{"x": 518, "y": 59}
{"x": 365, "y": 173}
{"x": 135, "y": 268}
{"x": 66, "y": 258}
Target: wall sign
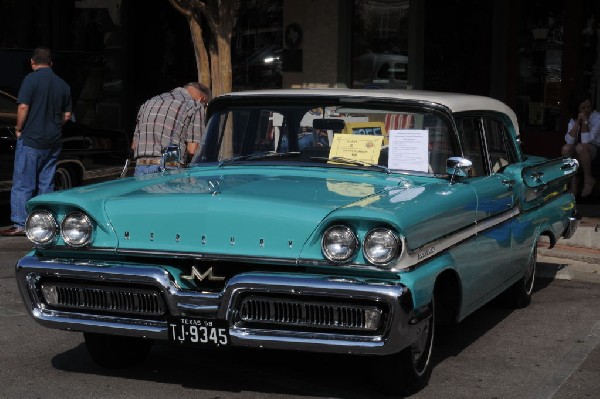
{"x": 293, "y": 36}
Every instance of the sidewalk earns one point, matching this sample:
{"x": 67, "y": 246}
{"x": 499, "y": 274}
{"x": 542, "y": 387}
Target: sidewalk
{"x": 577, "y": 258}
{"x": 584, "y": 246}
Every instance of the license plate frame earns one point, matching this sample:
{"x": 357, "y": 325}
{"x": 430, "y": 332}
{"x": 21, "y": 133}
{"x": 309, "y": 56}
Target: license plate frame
{"x": 196, "y": 331}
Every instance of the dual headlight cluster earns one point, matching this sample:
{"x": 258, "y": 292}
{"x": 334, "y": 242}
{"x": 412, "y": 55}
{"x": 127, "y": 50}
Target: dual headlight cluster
{"x": 380, "y": 245}
{"x": 75, "y": 229}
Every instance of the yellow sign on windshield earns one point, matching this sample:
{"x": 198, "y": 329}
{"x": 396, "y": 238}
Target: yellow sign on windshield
{"x": 356, "y": 148}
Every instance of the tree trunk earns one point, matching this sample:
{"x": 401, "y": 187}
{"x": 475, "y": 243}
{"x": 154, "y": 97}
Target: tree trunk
{"x": 202, "y": 62}
{"x": 221, "y": 69}
{"x": 214, "y": 65}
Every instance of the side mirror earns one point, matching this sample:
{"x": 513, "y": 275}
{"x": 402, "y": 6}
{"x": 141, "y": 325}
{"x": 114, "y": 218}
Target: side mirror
{"x": 171, "y": 154}
{"x": 458, "y": 167}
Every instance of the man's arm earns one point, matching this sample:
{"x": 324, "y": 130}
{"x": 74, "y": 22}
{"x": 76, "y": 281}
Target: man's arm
{"x": 191, "y": 149}
{"x": 66, "y": 117}
{"x": 590, "y": 128}
{"x": 22, "y": 111}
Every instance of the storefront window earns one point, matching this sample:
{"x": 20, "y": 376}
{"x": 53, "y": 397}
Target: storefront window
{"x": 557, "y": 65}
{"x": 380, "y": 44}
{"x": 97, "y": 43}
{"x": 256, "y": 45}
{"x": 540, "y": 70}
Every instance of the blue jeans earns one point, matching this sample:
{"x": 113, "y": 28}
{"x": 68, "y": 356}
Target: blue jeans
{"x": 33, "y": 175}
{"x": 141, "y": 170}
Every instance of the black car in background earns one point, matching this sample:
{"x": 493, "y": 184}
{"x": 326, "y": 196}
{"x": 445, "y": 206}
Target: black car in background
{"x": 88, "y": 153}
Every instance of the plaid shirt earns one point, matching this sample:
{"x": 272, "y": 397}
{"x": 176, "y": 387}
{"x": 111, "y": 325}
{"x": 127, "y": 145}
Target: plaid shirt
{"x": 169, "y": 118}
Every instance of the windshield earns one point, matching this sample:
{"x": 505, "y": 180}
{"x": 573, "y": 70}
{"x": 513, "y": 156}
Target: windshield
{"x": 331, "y": 135}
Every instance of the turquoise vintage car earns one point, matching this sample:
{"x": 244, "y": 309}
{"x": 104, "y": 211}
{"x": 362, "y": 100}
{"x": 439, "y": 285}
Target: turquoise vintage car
{"x": 335, "y": 220}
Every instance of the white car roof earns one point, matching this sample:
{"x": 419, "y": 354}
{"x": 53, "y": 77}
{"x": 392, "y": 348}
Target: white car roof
{"x": 456, "y": 102}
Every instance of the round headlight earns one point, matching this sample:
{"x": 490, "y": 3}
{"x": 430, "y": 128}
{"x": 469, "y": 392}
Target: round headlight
{"x": 41, "y": 227}
{"x": 339, "y": 243}
{"x": 76, "y": 229}
{"x": 381, "y": 246}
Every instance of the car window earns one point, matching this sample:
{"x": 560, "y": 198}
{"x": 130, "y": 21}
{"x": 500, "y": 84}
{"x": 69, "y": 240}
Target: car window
{"x": 398, "y": 139}
{"x": 400, "y": 71}
{"x": 245, "y": 131}
{"x": 384, "y": 71}
{"x": 501, "y": 150}
{"x": 470, "y": 137}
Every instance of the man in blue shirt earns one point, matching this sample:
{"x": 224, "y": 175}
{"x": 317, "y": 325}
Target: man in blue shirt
{"x": 44, "y": 105}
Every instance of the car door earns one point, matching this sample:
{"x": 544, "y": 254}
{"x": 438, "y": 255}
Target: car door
{"x": 8, "y": 118}
{"x": 486, "y": 264}
{"x": 7, "y": 157}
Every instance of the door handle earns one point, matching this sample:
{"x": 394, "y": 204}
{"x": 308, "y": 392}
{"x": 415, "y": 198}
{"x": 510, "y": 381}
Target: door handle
{"x": 508, "y": 182}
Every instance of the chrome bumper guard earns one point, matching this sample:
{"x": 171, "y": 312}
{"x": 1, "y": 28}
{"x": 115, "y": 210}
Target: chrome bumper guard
{"x": 572, "y": 226}
{"x": 269, "y": 310}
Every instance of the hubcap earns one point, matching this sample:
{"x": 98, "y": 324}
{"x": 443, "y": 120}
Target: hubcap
{"x": 421, "y": 349}
{"x": 530, "y": 274}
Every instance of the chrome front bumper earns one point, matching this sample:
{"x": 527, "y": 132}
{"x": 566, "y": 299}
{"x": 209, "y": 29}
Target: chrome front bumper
{"x": 398, "y": 328}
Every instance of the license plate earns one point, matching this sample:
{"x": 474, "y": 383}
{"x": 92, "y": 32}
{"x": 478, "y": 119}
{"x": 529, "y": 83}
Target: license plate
{"x": 196, "y": 331}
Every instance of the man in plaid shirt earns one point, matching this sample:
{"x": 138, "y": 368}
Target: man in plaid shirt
{"x": 174, "y": 119}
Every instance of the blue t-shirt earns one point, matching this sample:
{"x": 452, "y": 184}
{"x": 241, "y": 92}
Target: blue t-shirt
{"x": 48, "y": 98}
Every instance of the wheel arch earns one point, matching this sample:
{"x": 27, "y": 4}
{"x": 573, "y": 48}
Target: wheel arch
{"x": 440, "y": 280}
{"x": 74, "y": 167}
{"x": 551, "y": 237}
{"x": 448, "y": 298}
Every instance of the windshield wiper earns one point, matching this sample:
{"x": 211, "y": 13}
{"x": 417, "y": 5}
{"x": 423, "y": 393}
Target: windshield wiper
{"x": 259, "y": 155}
{"x": 354, "y": 162}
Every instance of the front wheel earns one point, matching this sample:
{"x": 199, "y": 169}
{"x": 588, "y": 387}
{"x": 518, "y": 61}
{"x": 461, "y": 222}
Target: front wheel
{"x": 409, "y": 371}
{"x": 113, "y": 351}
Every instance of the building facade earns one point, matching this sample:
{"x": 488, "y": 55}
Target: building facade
{"x": 535, "y": 55}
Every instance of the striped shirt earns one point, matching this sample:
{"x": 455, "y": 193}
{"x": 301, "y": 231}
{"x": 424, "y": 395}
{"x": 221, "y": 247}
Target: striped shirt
{"x": 169, "y": 118}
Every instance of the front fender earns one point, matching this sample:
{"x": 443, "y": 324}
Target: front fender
{"x": 421, "y": 280}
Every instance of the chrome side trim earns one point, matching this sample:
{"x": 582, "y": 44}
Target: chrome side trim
{"x": 410, "y": 259}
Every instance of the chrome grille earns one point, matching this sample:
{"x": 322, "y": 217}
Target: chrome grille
{"x": 306, "y": 313}
{"x": 144, "y": 302}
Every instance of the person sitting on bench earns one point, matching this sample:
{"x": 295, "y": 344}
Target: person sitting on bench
{"x": 582, "y": 142}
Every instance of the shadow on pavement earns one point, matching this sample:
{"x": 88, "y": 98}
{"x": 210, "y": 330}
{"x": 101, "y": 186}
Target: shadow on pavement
{"x": 271, "y": 371}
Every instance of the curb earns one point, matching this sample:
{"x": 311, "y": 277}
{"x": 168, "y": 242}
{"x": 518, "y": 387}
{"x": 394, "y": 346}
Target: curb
{"x": 587, "y": 235}
{"x": 549, "y": 267}
{"x": 581, "y": 254}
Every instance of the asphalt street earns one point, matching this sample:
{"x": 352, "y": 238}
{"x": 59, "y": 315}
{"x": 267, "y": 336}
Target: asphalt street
{"x": 549, "y": 350}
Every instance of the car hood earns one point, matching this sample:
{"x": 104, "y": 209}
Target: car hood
{"x": 238, "y": 211}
